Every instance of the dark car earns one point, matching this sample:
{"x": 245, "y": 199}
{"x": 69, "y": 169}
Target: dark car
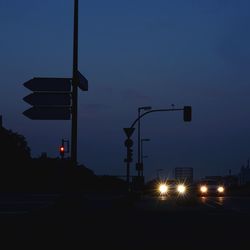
{"x": 210, "y": 188}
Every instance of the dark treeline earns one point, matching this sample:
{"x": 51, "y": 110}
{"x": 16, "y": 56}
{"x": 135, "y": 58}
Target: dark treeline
{"x": 20, "y": 172}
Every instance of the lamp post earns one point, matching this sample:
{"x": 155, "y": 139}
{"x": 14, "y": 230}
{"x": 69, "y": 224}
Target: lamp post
{"x": 142, "y": 156}
{"x": 145, "y": 108}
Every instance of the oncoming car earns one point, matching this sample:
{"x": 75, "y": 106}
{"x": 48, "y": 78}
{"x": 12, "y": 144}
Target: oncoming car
{"x": 171, "y": 187}
{"x": 211, "y": 188}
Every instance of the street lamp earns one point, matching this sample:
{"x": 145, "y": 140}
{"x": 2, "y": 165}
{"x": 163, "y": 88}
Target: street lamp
{"x": 145, "y": 108}
{"x": 142, "y": 156}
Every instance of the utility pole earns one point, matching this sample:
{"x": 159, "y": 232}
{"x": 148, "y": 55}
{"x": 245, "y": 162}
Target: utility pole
{"x": 74, "y": 88}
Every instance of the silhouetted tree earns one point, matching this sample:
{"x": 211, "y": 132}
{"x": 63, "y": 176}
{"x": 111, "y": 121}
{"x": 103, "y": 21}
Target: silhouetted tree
{"x": 14, "y": 159}
{"x": 13, "y": 148}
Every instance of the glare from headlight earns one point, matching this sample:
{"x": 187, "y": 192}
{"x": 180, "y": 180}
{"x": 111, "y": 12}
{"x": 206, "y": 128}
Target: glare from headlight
{"x": 203, "y": 189}
{"x": 220, "y": 189}
{"x": 181, "y": 189}
{"x": 163, "y": 188}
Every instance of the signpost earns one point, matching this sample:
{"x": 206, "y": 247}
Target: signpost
{"x": 82, "y": 82}
{"x": 57, "y": 98}
{"x": 49, "y": 84}
{"x": 48, "y": 99}
{"x": 48, "y": 113}
{"x": 128, "y": 131}
{"x": 51, "y": 99}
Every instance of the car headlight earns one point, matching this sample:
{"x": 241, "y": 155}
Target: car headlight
{"x": 221, "y": 189}
{"x": 163, "y": 188}
{"x": 181, "y": 189}
{"x": 203, "y": 189}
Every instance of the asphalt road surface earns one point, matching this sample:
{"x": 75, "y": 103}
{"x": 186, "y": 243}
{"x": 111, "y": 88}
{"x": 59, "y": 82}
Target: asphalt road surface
{"x": 104, "y": 221}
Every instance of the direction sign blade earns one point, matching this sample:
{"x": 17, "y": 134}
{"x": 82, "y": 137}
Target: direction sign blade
{"x": 48, "y": 113}
{"x": 49, "y": 84}
{"x": 82, "y": 82}
{"x": 48, "y": 99}
{"x": 129, "y": 131}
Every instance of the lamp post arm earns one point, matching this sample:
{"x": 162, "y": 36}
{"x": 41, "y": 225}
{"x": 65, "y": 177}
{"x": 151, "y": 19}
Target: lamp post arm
{"x": 151, "y": 111}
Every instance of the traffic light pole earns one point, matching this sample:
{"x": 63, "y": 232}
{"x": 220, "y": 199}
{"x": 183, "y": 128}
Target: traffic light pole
{"x": 138, "y": 144}
{"x": 128, "y": 143}
{"x": 128, "y": 174}
{"x": 62, "y": 147}
{"x": 152, "y": 111}
{"x": 74, "y": 88}
{"x": 186, "y": 115}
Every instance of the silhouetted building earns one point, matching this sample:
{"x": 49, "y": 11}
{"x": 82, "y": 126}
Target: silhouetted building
{"x": 244, "y": 175}
{"x": 44, "y": 155}
{"x": 231, "y": 180}
{"x": 227, "y": 180}
{"x": 217, "y": 178}
{"x": 184, "y": 174}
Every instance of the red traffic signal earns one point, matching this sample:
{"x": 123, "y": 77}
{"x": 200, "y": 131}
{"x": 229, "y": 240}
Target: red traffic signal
{"x": 62, "y": 150}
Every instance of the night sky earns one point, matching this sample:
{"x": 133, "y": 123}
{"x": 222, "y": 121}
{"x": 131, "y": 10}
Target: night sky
{"x": 135, "y": 53}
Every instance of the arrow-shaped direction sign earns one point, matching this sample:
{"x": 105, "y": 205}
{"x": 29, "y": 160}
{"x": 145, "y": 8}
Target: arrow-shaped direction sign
{"x": 49, "y": 84}
{"x": 48, "y": 99}
{"x": 48, "y": 113}
{"x": 129, "y": 131}
{"x": 82, "y": 82}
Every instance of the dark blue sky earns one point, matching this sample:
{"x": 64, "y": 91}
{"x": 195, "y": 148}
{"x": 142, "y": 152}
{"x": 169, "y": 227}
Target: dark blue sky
{"x": 136, "y": 53}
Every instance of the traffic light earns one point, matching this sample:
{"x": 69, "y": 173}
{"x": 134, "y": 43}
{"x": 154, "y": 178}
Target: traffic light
{"x": 187, "y": 113}
{"x": 62, "y": 151}
{"x": 128, "y": 143}
{"x": 129, "y": 154}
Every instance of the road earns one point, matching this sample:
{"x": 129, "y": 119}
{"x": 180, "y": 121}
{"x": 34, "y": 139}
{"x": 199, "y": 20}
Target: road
{"x": 234, "y": 204}
{"x": 211, "y": 203}
{"x": 116, "y": 222}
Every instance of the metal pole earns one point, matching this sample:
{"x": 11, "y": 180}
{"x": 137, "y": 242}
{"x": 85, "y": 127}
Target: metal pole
{"x": 128, "y": 174}
{"x": 141, "y": 151}
{"x": 139, "y": 141}
{"x": 142, "y": 157}
{"x": 74, "y": 88}
{"x": 152, "y": 111}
